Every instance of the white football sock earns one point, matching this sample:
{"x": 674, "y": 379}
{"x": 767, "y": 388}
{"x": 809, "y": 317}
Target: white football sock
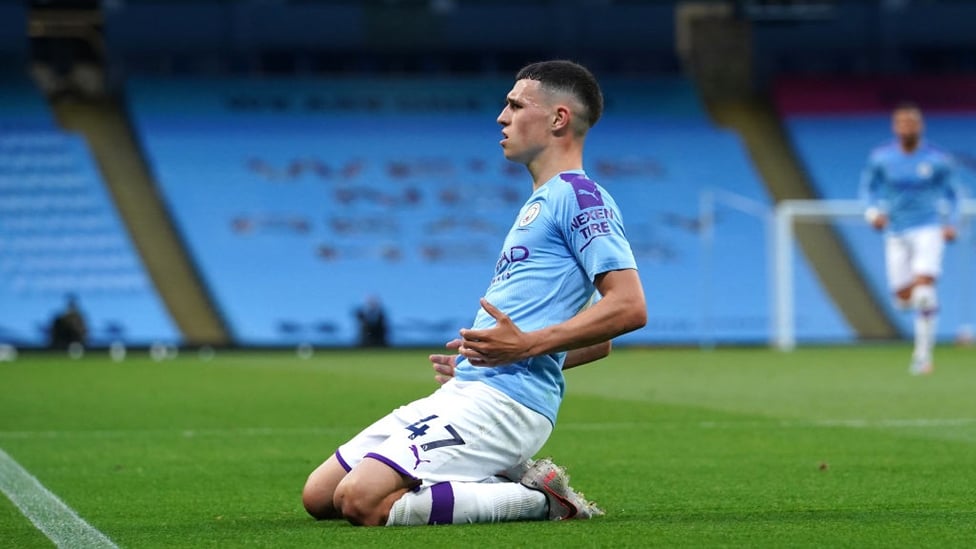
{"x": 924, "y": 297}
{"x": 925, "y": 324}
{"x": 461, "y": 502}
{"x": 926, "y": 304}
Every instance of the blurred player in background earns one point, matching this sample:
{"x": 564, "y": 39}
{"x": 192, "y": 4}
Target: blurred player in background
{"x": 911, "y": 194}
{"x": 463, "y": 454}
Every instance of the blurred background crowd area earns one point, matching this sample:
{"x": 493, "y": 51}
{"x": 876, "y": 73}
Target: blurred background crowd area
{"x": 250, "y": 173}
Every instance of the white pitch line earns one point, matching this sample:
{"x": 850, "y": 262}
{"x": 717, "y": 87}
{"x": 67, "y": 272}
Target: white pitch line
{"x": 48, "y": 513}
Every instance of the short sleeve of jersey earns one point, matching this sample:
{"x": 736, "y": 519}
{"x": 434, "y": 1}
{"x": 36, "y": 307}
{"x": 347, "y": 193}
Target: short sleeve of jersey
{"x": 592, "y": 225}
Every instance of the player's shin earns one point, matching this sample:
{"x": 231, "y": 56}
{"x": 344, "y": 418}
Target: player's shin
{"x": 925, "y": 301}
{"x": 468, "y": 502}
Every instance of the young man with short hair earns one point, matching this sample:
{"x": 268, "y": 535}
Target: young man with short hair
{"x": 463, "y": 454}
{"x": 911, "y": 195}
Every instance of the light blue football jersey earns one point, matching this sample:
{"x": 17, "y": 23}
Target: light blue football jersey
{"x": 569, "y": 231}
{"x": 914, "y": 189}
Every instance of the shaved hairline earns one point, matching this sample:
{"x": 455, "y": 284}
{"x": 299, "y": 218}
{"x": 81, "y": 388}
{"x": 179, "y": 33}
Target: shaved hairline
{"x": 557, "y": 94}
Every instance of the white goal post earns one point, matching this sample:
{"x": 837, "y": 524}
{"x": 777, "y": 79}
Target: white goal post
{"x": 786, "y": 214}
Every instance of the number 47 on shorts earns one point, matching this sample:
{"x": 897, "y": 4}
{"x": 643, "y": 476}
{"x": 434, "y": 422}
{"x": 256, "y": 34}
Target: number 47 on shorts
{"x": 421, "y": 427}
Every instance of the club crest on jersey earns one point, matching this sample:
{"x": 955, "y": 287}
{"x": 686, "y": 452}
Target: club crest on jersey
{"x": 924, "y": 169}
{"x": 587, "y": 195}
{"x": 531, "y": 213}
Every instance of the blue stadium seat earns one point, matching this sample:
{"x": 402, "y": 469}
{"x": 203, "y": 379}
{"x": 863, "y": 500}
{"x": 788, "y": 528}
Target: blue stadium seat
{"x": 60, "y": 234}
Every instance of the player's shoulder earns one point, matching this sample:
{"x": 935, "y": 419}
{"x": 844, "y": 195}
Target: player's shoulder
{"x": 936, "y": 152}
{"x": 883, "y": 151}
{"x": 579, "y": 191}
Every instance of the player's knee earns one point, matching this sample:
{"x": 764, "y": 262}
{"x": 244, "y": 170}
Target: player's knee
{"x": 317, "y": 503}
{"x": 316, "y": 507}
{"x": 924, "y": 297}
{"x": 903, "y": 298}
{"x": 356, "y": 505}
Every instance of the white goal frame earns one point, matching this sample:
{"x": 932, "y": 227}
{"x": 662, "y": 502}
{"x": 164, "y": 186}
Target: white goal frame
{"x": 785, "y": 215}
{"x": 709, "y": 202}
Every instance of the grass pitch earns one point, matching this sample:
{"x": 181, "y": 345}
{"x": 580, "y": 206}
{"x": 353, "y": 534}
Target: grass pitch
{"x": 823, "y": 447}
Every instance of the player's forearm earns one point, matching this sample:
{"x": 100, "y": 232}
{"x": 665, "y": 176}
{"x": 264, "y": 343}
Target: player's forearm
{"x": 585, "y": 330}
{"x": 622, "y": 309}
{"x": 585, "y": 355}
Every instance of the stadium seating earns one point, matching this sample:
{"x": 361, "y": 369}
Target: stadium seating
{"x": 60, "y": 235}
{"x": 298, "y": 198}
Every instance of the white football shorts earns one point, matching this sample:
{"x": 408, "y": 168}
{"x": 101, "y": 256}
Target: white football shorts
{"x": 913, "y": 253}
{"x": 464, "y": 431}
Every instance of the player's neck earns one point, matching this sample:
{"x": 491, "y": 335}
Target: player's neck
{"x": 545, "y": 167}
{"x": 910, "y": 146}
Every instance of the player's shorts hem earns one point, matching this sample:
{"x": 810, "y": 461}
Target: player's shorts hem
{"x": 393, "y": 465}
{"x": 342, "y": 462}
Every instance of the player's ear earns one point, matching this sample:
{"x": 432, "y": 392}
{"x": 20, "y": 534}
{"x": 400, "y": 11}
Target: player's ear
{"x": 561, "y": 118}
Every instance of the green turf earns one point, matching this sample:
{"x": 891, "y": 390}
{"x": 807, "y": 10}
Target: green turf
{"x": 826, "y": 447}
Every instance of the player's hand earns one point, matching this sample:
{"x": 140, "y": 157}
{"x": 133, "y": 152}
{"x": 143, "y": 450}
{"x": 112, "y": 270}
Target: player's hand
{"x": 876, "y": 218}
{"x": 443, "y": 365}
{"x": 880, "y": 222}
{"x": 504, "y": 343}
{"x": 949, "y": 233}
